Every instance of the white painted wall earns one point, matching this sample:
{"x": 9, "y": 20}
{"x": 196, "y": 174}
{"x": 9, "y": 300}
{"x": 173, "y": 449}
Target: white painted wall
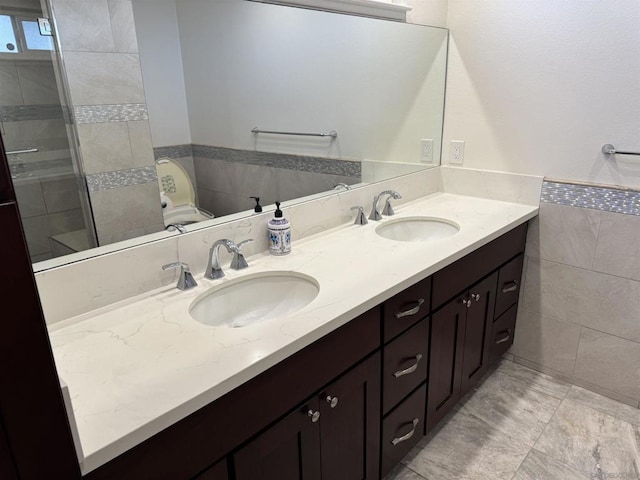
{"x": 161, "y": 59}
{"x": 427, "y": 12}
{"x": 344, "y": 79}
{"x": 538, "y": 86}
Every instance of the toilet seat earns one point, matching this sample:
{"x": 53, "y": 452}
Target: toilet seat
{"x": 175, "y": 184}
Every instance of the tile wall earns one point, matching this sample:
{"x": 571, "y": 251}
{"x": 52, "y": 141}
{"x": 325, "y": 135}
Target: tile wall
{"x": 580, "y": 311}
{"x": 31, "y": 117}
{"x": 102, "y": 68}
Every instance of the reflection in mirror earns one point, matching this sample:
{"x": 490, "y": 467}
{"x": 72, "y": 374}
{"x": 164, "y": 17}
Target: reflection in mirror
{"x": 164, "y": 109}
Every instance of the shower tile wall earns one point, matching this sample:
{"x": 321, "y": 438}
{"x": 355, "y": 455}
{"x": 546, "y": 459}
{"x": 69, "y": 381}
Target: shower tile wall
{"x": 580, "y": 310}
{"x": 102, "y": 68}
{"x": 44, "y": 181}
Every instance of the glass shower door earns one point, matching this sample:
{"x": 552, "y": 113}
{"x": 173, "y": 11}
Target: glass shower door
{"x": 46, "y": 175}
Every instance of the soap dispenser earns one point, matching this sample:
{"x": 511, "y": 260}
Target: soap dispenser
{"x": 279, "y": 233}
{"x": 258, "y": 207}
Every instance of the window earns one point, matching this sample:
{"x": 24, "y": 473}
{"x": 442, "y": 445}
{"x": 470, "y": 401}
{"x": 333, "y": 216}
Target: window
{"x": 22, "y": 35}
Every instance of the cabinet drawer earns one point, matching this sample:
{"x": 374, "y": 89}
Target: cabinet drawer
{"x": 454, "y": 279}
{"x": 402, "y": 429}
{"x": 502, "y": 334}
{"x": 509, "y": 285}
{"x": 405, "y": 364}
{"x": 406, "y": 309}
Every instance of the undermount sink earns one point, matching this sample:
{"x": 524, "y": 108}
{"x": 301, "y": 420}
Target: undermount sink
{"x": 254, "y": 299}
{"x": 418, "y": 229}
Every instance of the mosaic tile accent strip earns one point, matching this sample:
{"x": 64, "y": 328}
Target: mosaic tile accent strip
{"x": 110, "y": 113}
{"x": 608, "y": 199}
{"x": 345, "y": 168}
{"x": 121, "y": 178}
{"x": 173, "y": 151}
{"x": 21, "y": 113}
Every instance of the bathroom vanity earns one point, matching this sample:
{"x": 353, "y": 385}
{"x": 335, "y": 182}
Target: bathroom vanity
{"x": 343, "y": 388}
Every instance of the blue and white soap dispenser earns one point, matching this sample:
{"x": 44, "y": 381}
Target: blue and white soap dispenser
{"x": 279, "y": 233}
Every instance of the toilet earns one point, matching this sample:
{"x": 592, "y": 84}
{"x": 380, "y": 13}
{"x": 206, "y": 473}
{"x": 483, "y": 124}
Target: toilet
{"x": 177, "y": 195}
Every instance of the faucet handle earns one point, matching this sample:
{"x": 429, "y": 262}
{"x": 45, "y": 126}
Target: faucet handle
{"x": 388, "y": 209}
{"x": 238, "y": 262}
{"x": 185, "y": 280}
{"x": 361, "y": 218}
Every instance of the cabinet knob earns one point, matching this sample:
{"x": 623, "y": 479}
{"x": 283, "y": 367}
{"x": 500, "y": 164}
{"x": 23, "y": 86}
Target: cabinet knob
{"x": 332, "y": 401}
{"x": 475, "y": 296}
{"x": 314, "y": 416}
{"x": 466, "y": 303}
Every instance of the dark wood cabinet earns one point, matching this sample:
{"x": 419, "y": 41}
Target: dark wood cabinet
{"x": 6, "y": 188}
{"x": 333, "y": 436}
{"x": 218, "y": 472}
{"x": 290, "y": 450}
{"x": 477, "y": 332}
{"x": 7, "y": 468}
{"x": 445, "y": 359}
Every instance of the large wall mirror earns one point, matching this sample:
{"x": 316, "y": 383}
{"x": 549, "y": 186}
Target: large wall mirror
{"x": 184, "y": 109}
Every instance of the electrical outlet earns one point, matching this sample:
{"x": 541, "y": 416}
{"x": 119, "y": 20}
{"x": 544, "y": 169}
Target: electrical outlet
{"x": 456, "y": 153}
{"x": 426, "y": 145}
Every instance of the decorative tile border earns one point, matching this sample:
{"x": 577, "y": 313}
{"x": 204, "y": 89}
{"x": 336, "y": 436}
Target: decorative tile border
{"x": 19, "y": 113}
{"x": 608, "y": 199}
{"x": 173, "y": 151}
{"x": 110, "y": 113}
{"x": 121, "y": 178}
{"x": 345, "y": 168}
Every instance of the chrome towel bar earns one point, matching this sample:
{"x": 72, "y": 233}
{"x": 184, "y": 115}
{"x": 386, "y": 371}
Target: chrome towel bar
{"x": 332, "y": 133}
{"x": 18, "y": 152}
{"x": 609, "y": 149}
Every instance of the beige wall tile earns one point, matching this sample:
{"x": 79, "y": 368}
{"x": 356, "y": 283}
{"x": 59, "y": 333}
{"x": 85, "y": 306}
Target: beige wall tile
{"x": 546, "y": 341}
{"x": 30, "y": 199}
{"x": 10, "y": 92}
{"x": 610, "y": 362}
{"x": 38, "y": 83}
{"x": 84, "y": 26}
{"x": 122, "y": 26}
{"x": 37, "y": 231}
{"x": 618, "y": 248}
{"x": 564, "y": 234}
{"x": 42, "y": 134}
{"x": 120, "y": 210}
{"x": 104, "y": 78}
{"x": 595, "y": 300}
{"x": 61, "y": 194}
{"x": 105, "y": 147}
{"x": 141, "y": 145}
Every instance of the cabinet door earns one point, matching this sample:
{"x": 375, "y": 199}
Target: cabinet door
{"x": 478, "y": 332}
{"x": 445, "y": 359}
{"x": 7, "y": 469}
{"x": 350, "y": 424}
{"x": 289, "y": 450}
{"x": 217, "y": 472}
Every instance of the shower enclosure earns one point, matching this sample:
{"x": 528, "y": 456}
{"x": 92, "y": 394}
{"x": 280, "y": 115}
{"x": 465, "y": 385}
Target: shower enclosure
{"x": 38, "y": 136}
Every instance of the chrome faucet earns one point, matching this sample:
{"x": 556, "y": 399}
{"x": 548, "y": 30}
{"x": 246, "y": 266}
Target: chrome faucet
{"x": 185, "y": 280}
{"x": 176, "y": 226}
{"x": 375, "y": 213}
{"x": 214, "y": 270}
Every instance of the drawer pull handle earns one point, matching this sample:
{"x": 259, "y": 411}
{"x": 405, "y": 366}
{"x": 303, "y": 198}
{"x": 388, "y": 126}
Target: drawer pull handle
{"x": 506, "y": 335}
{"x": 511, "y": 286}
{"x": 409, "y": 370}
{"x": 332, "y": 401}
{"x": 397, "y": 440}
{"x": 411, "y": 311}
{"x": 314, "y": 416}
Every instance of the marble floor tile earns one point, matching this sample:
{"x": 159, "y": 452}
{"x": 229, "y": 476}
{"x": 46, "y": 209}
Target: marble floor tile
{"x": 402, "y": 472}
{"x": 605, "y": 405}
{"x": 539, "y": 466}
{"x": 537, "y": 381}
{"x": 467, "y": 448}
{"x": 512, "y": 407}
{"x": 594, "y": 443}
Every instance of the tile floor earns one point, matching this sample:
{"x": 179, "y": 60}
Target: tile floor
{"x": 519, "y": 424}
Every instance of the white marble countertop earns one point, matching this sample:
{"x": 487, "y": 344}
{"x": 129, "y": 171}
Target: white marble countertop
{"x": 138, "y": 366}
